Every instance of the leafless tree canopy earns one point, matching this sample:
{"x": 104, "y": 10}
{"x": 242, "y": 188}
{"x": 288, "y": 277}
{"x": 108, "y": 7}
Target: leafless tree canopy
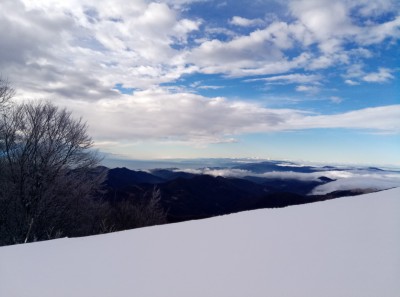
{"x": 133, "y": 212}
{"x": 50, "y": 181}
{"x": 6, "y": 92}
{"x": 46, "y": 169}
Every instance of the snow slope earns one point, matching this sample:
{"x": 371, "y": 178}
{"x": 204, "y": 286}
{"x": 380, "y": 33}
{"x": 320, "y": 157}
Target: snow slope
{"x": 348, "y": 247}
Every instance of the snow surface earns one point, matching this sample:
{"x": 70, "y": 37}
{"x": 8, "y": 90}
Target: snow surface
{"x": 347, "y": 247}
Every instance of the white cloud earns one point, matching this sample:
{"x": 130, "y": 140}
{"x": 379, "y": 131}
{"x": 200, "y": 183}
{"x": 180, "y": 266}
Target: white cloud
{"x": 230, "y": 57}
{"x": 77, "y": 51}
{"x": 184, "y": 27}
{"x": 384, "y": 118}
{"x": 356, "y": 71}
{"x": 181, "y": 3}
{"x": 328, "y": 60}
{"x": 336, "y": 99}
{"x": 260, "y": 52}
{"x": 144, "y": 43}
{"x": 349, "y": 179}
{"x": 290, "y": 79}
{"x": 215, "y": 31}
{"x": 198, "y": 85}
{"x": 376, "y": 33}
{"x": 343, "y": 179}
{"x": 358, "y": 182}
{"x": 328, "y": 21}
{"x": 331, "y": 23}
{"x": 210, "y": 87}
{"x": 239, "y": 21}
{"x": 303, "y": 88}
{"x": 159, "y": 114}
{"x": 375, "y": 8}
{"x": 383, "y": 75}
{"x": 351, "y": 82}
{"x": 165, "y": 116}
{"x": 96, "y": 44}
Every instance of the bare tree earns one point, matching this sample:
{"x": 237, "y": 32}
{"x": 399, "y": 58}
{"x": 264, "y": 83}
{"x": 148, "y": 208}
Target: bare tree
{"x": 6, "y": 93}
{"x": 134, "y": 211}
{"x": 47, "y": 171}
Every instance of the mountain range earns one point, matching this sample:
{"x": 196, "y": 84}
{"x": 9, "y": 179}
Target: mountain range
{"x": 186, "y": 195}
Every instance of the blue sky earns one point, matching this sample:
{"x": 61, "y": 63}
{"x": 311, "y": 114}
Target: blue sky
{"x": 302, "y": 79}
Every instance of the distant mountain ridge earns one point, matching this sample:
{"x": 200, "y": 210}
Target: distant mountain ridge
{"x": 123, "y": 177}
{"x": 268, "y": 166}
{"x": 192, "y": 196}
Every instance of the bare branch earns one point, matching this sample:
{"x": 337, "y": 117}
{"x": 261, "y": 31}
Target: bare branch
{"x": 47, "y": 169}
{"x": 6, "y": 92}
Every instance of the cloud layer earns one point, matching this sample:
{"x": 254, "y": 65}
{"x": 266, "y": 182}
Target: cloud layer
{"x": 159, "y": 114}
{"x": 348, "y": 179}
{"x": 84, "y": 54}
{"x": 145, "y": 43}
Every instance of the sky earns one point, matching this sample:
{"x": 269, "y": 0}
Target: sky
{"x": 314, "y": 80}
